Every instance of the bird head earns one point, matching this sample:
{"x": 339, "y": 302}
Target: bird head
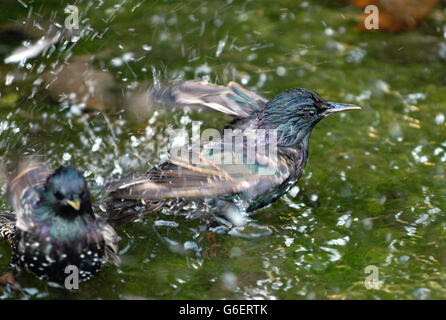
{"x": 295, "y": 112}
{"x": 67, "y": 193}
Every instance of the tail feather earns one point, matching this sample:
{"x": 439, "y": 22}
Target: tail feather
{"x": 111, "y": 241}
{"x": 122, "y": 211}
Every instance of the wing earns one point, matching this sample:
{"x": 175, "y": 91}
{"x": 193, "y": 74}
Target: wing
{"x": 110, "y": 237}
{"x": 233, "y": 99}
{"x": 22, "y": 190}
{"x": 211, "y": 176}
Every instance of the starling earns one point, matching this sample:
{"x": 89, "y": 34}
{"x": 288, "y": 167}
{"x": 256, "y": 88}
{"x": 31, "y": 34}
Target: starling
{"x": 269, "y": 139}
{"x": 54, "y": 226}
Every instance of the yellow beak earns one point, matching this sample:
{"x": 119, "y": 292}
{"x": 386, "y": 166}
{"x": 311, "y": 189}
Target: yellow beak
{"x": 76, "y": 204}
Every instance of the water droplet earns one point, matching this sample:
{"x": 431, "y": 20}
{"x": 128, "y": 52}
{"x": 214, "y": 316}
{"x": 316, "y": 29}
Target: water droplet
{"x": 9, "y": 79}
{"x": 66, "y": 156}
{"x": 281, "y": 71}
{"x": 116, "y": 62}
{"x": 329, "y": 32}
{"x": 422, "y": 293}
{"x": 439, "y": 119}
{"x": 191, "y": 245}
{"x": 96, "y": 145}
{"x": 229, "y": 281}
{"x": 367, "y": 223}
{"x": 404, "y": 258}
{"x": 294, "y": 191}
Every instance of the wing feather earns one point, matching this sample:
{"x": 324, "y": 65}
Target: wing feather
{"x": 22, "y": 190}
{"x": 110, "y": 237}
{"x": 180, "y": 178}
{"x": 7, "y": 226}
{"x": 233, "y": 99}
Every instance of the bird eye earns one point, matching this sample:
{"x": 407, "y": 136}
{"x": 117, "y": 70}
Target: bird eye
{"x": 58, "y": 195}
{"x": 312, "y": 112}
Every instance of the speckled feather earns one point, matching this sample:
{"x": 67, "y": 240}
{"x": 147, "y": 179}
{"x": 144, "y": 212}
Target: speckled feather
{"x": 7, "y": 226}
{"x": 46, "y": 235}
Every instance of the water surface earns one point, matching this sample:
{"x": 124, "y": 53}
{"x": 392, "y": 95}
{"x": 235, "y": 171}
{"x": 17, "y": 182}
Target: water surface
{"x": 373, "y": 192}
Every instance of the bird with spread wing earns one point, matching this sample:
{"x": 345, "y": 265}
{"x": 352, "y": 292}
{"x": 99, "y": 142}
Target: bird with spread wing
{"x": 53, "y": 225}
{"x": 264, "y": 157}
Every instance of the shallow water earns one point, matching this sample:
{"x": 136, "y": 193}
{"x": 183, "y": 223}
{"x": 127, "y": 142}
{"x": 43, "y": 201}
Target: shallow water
{"x": 373, "y": 192}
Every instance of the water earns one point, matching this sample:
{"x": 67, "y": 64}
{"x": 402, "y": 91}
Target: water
{"x": 373, "y": 192}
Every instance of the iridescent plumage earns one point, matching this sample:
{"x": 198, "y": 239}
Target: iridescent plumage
{"x": 54, "y": 225}
{"x": 210, "y": 185}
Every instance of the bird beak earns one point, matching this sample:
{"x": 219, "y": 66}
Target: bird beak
{"x": 333, "y": 107}
{"x": 76, "y": 204}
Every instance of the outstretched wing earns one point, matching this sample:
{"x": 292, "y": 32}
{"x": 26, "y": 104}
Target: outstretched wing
{"x": 110, "y": 237}
{"x": 22, "y": 190}
{"x": 233, "y": 99}
{"x": 212, "y": 176}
